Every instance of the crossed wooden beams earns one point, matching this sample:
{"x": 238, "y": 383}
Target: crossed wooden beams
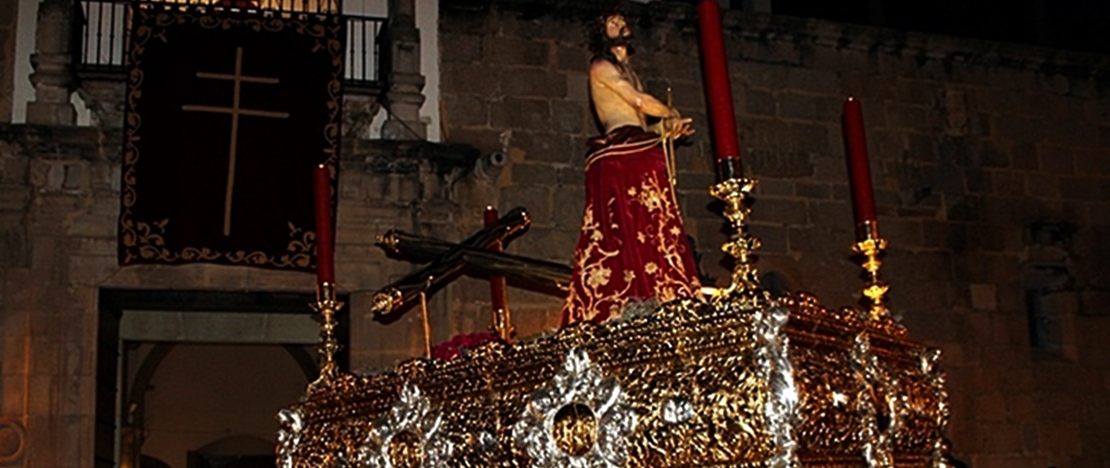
{"x": 446, "y": 260}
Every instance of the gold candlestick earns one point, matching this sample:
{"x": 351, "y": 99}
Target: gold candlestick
{"x": 741, "y": 244}
{"x": 872, "y": 247}
{"x": 327, "y": 306}
{"x": 425, "y": 320}
{"x": 502, "y": 324}
{"x": 427, "y": 325}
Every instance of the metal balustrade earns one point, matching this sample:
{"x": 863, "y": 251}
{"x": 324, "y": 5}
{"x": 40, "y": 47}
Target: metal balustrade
{"x": 101, "y": 29}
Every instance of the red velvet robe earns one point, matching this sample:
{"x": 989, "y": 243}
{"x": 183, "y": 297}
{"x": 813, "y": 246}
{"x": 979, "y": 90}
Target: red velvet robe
{"x": 632, "y": 244}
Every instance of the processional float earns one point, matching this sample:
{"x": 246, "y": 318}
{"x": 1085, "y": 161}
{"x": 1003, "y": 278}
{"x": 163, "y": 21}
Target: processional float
{"x": 742, "y": 378}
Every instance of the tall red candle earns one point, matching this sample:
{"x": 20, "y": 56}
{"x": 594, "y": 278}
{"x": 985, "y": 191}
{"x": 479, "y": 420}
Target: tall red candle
{"x": 859, "y": 168}
{"x": 325, "y": 253}
{"x": 718, "y": 90}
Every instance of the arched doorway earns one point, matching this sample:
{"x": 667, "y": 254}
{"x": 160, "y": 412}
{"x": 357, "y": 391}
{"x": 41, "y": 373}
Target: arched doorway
{"x": 200, "y": 374}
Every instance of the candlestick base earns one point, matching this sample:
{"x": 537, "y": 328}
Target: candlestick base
{"x": 741, "y": 244}
{"x": 872, "y": 248}
{"x": 327, "y": 306}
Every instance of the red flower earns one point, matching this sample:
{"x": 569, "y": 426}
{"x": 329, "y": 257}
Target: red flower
{"x": 454, "y": 347}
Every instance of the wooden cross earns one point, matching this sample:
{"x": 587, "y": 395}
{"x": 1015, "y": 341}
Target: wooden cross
{"x": 446, "y": 260}
{"x": 238, "y": 79}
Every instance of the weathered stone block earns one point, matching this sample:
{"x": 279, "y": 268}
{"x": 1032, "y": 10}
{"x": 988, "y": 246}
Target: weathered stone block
{"x": 469, "y": 78}
{"x": 532, "y": 82}
{"x": 984, "y": 297}
{"x": 1057, "y": 160}
{"x": 834, "y": 169}
{"x": 515, "y": 51}
{"x": 773, "y": 238}
{"x": 547, "y": 147}
{"x": 534, "y": 174}
{"x": 1024, "y": 156}
{"x": 832, "y": 215}
{"x": 798, "y": 106}
{"x": 465, "y": 48}
{"x": 1009, "y": 184}
{"x": 782, "y": 211}
{"x": 809, "y": 138}
{"x": 814, "y": 190}
{"x": 537, "y": 199}
{"x": 570, "y": 117}
{"x": 567, "y": 198}
{"x": 761, "y": 103}
{"x": 784, "y": 164}
{"x": 1018, "y": 129}
{"x": 1078, "y": 188}
{"x": 813, "y": 81}
{"x": 979, "y": 181}
{"x": 569, "y": 58}
{"x": 520, "y": 113}
{"x": 1090, "y": 162}
{"x": 769, "y": 187}
{"x": 466, "y": 110}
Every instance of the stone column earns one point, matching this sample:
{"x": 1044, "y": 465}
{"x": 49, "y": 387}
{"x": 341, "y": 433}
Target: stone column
{"x": 405, "y": 85}
{"x": 53, "y": 78}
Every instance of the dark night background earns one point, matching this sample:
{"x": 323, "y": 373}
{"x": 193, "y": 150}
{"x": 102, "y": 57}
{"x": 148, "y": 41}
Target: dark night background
{"x": 1078, "y": 25}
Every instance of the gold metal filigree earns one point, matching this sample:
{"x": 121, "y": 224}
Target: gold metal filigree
{"x": 409, "y": 435}
{"x": 577, "y": 419}
{"x": 742, "y": 244}
{"x": 879, "y": 404}
{"x": 872, "y": 248}
{"x": 708, "y": 382}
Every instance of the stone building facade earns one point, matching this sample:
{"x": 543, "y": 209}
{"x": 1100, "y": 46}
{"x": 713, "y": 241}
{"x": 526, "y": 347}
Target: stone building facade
{"x": 992, "y": 174}
{"x": 990, "y": 164}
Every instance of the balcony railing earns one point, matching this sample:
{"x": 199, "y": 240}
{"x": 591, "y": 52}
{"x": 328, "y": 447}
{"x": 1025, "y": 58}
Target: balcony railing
{"x": 101, "y": 28}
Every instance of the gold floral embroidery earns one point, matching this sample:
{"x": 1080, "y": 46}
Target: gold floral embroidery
{"x": 591, "y": 264}
{"x": 592, "y": 295}
{"x": 650, "y": 196}
{"x": 664, "y": 232}
{"x": 598, "y": 277}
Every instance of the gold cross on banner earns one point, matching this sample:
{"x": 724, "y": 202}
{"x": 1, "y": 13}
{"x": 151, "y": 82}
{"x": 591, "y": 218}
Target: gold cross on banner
{"x": 238, "y": 79}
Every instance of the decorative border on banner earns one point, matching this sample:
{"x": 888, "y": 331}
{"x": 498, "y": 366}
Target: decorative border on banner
{"x": 142, "y": 239}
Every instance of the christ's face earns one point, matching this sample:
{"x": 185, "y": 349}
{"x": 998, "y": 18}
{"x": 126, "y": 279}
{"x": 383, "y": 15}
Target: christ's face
{"x": 616, "y": 27}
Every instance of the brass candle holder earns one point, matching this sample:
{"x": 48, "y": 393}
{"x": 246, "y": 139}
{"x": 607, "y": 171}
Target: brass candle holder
{"x": 872, "y": 247}
{"x": 327, "y": 306}
{"x": 502, "y": 324}
{"x": 734, "y": 192}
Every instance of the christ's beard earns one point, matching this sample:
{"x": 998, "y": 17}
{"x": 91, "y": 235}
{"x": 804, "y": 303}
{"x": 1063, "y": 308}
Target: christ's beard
{"x": 623, "y": 41}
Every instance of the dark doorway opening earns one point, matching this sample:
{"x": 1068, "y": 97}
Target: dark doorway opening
{"x": 119, "y": 386}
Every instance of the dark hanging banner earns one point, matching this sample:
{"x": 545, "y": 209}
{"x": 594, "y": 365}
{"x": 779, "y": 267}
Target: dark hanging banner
{"x": 227, "y": 115}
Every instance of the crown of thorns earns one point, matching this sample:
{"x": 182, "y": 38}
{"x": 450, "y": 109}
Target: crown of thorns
{"x": 599, "y": 41}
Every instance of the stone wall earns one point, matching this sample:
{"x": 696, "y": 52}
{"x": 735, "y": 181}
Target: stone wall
{"x": 991, "y": 165}
{"x": 59, "y": 208}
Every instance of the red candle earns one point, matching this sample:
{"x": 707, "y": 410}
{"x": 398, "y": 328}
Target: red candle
{"x": 718, "y": 90}
{"x": 496, "y": 283}
{"x": 325, "y": 257}
{"x": 859, "y": 169}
